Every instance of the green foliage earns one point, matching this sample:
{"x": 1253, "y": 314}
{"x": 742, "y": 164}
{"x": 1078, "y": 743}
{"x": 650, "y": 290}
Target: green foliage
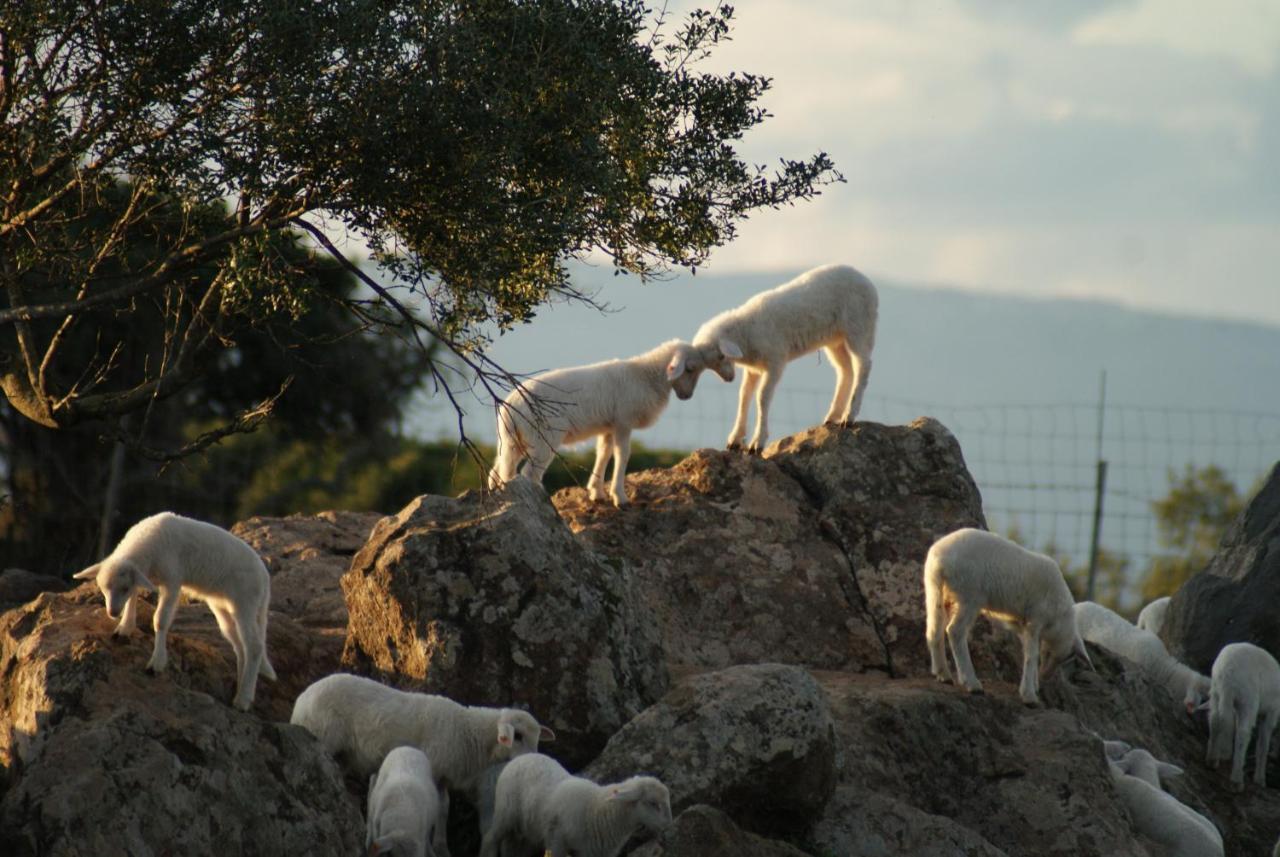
{"x": 1191, "y": 518}
{"x": 149, "y": 152}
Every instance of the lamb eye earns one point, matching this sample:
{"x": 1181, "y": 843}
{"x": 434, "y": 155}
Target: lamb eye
{"x": 519, "y": 735}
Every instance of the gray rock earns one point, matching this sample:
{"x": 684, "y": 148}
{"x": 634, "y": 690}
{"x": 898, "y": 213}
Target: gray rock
{"x": 704, "y": 831}
{"x": 18, "y": 586}
{"x": 104, "y": 759}
{"x": 810, "y": 555}
{"x": 1234, "y": 599}
{"x": 755, "y": 741}
{"x": 490, "y": 600}
{"x": 862, "y": 823}
{"x": 884, "y": 494}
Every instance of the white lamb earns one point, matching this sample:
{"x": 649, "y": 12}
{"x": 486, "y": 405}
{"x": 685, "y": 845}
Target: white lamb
{"x": 403, "y": 806}
{"x": 1108, "y": 629}
{"x": 538, "y": 803}
{"x": 1177, "y": 828}
{"x": 1152, "y": 616}
{"x": 173, "y": 554}
{"x": 605, "y": 400}
{"x": 360, "y": 720}
{"x": 1137, "y": 762}
{"x": 981, "y": 572}
{"x": 833, "y": 308}
{"x": 1245, "y": 692}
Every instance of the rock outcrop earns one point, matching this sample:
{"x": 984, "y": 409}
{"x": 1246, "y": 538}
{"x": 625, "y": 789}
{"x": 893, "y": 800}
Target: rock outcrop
{"x": 1234, "y": 599}
{"x": 490, "y": 600}
{"x": 755, "y": 741}
{"x": 704, "y": 831}
{"x": 102, "y": 758}
{"x": 810, "y": 555}
{"x": 784, "y": 593}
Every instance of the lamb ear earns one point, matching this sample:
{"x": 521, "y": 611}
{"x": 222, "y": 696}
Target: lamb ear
{"x": 676, "y": 367}
{"x": 545, "y": 734}
{"x": 506, "y": 734}
{"x": 1115, "y": 750}
{"x": 88, "y": 574}
{"x": 730, "y": 349}
{"x": 1164, "y": 769}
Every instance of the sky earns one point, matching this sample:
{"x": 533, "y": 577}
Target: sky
{"x": 1124, "y": 150}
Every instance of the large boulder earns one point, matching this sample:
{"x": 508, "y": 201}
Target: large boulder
{"x": 1234, "y": 599}
{"x": 981, "y": 771}
{"x": 307, "y": 556}
{"x": 704, "y": 831}
{"x": 102, "y": 758}
{"x": 884, "y": 494}
{"x": 810, "y": 555}
{"x": 18, "y": 586}
{"x": 490, "y": 600}
{"x": 756, "y": 741}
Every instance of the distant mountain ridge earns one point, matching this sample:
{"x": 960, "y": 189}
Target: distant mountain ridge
{"x": 948, "y": 346}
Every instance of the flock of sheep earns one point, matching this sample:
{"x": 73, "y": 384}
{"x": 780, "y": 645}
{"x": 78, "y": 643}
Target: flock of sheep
{"x": 416, "y": 748}
{"x": 978, "y": 572}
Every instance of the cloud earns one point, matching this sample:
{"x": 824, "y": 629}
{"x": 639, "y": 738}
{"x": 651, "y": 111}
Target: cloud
{"x": 1243, "y": 32}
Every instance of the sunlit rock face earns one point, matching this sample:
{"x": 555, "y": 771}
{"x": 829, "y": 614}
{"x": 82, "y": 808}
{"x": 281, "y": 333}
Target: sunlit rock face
{"x": 103, "y": 758}
{"x": 810, "y": 555}
{"x": 490, "y": 600}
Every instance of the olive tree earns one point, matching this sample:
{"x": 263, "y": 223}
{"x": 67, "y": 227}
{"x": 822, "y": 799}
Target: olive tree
{"x": 472, "y": 148}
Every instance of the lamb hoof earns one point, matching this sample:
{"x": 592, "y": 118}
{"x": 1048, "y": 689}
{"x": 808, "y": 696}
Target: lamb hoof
{"x": 736, "y": 446}
{"x": 976, "y": 690}
{"x": 846, "y": 424}
{"x": 1031, "y": 703}
{"x": 242, "y": 705}
{"x": 754, "y": 450}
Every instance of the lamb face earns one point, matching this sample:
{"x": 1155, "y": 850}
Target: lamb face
{"x": 519, "y": 733}
{"x": 683, "y": 371}
{"x": 117, "y": 581}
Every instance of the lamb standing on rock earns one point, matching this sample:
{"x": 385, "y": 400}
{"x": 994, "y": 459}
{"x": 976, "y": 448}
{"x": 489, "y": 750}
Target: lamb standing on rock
{"x": 605, "y": 400}
{"x": 173, "y": 554}
{"x": 1245, "y": 692}
{"x": 1177, "y": 828}
{"x": 833, "y": 308}
{"x": 1111, "y": 631}
{"x": 1152, "y": 616}
{"x": 403, "y": 805}
{"x": 982, "y": 572}
{"x": 361, "y": 721}
{"x": 538, "y": 803}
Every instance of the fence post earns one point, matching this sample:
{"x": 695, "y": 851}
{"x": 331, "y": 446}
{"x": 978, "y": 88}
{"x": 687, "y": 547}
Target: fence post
{"x": 1099, "y": 490}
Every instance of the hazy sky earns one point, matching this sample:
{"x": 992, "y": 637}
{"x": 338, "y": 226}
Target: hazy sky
{"x": 1125, "y": 150}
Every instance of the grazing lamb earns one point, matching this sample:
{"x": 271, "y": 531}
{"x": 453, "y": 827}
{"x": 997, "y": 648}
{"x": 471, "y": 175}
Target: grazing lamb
{"x": 981, "y": 572}
{"x": 403, "y": 805}
{"x": 1137, "y": 762}
{"x": 360, "y": 720}
{"x": 538, "y": 803}
{"x": 833, "y": 308}
{"x": 1152, "y": 616}
{"x": 1111, "y": 631}
{"x": 605, "y": 400}
{"x": 173, "y": 554}
{"x": 1177, "y": 828}
{"x": 1245, "y": 692}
